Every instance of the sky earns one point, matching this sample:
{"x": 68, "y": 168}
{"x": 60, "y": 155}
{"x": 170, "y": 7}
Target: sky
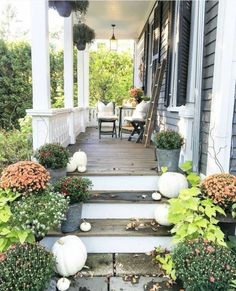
{"x": 23, "y": 23}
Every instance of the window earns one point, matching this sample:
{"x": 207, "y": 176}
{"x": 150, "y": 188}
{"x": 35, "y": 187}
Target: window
{"x": 178, "y": 53}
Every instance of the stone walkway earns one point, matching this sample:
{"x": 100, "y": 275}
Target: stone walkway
{"x": 120, "y": 272}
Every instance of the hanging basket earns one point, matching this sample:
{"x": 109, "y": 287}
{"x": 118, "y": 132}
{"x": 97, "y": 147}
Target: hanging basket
{"x": 64, "y": 8}
{"x": 81, "y": 46}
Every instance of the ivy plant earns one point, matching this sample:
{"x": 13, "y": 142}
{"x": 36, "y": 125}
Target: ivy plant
{"x": 166, "y": 263}
{"x": 194, "y": 218}
{"x": 10, "y": 234}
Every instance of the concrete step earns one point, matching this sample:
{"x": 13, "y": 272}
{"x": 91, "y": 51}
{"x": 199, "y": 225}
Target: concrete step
{"x": 120, "y": 205}
{"x": 111, "y": 235}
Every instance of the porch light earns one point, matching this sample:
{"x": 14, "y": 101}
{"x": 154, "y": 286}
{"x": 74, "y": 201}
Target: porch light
{"x": 113, "y": 40}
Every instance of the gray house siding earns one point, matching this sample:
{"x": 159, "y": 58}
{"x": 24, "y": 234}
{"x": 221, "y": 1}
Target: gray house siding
{"x": 207, "y": 78}
{"x": 164, "y": 118}
{"x": 233, "y": 143}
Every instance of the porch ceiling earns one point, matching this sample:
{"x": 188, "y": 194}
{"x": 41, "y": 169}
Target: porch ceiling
{"x": 129, "y": 17}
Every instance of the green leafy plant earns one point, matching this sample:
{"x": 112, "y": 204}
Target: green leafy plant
{"x": 164, "y": 258}
{"x": 221, "y": 188}
{"x": 10, "y": 233}
{"x": 39, "y": 213}
{"x": 53, "y": 156}
{"x": 204, "y": 265}
{"x": 76, "y": 188}
{"x": 193, "y": 217}
{"x": 167, "y": 140}
{"x": 193, "y": 178}
{"x": 25, "y": 177}
{"x": 82, "y": 34}
{"x": 26, "y": 267}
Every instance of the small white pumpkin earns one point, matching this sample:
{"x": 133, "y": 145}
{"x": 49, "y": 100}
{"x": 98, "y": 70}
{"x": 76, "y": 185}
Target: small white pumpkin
{"x": 63, "y": 284}
{"x": 170, "y": 184}
{"x": 80, "y": 159}
{"x": 156, "y": 196}
{"x": 71, "y": 166}
{"x": 85, "y": 226}
{"x": 70, "y": 254}
{"x": 161, "y": 214}
{"x": 81, "y": 169}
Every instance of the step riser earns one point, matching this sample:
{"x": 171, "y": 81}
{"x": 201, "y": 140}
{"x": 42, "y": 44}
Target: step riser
{"x": 119, "y": 211}
{"x": 118, "y": 244}
{"x": 124, "y": 183}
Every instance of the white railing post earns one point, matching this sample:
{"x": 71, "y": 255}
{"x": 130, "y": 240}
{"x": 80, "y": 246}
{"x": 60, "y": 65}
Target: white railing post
{"x": 68, "y": 74}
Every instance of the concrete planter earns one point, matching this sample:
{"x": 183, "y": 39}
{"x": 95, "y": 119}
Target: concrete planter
{"x": 168, "y": 158}
{"x": 56, "y": 174}
{"x": 73, "y": 218}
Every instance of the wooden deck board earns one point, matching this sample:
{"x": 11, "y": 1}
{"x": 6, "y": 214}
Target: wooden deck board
{"x": 113, "y": 156}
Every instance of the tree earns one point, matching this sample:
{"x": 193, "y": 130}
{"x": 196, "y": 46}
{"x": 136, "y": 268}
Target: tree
{"x": 111, "y": 76}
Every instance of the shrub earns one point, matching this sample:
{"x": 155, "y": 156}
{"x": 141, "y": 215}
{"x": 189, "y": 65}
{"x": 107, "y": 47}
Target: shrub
{"x": 76, "y": 188}
{"x": 204, "y": 265}
{"x": 221, "y": 188}
{"x": 25, "y": 267}
{"x": 9, "y": 233}
{"x": 168, "y": 140}
{"x": 193, "y": 217}
{"x": 25, "y": 177}
{"x": 39, "y": 213}
{"x": 53, "y": 156}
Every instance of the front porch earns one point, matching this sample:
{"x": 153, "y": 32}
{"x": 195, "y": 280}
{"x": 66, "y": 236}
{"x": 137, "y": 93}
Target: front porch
{"x": 113, "y": 156}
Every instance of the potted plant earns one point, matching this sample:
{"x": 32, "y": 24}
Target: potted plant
{"x": 64, "y": 8}
{"x": 26, "y": 267}
{"x": 221, "y": 188}
{"x": 54, "y": 158}
{"x": 82, "y": 34}
{"x": 137, "y": 94}
{"x": 77, "y": 189}
{"x": 39, "y": 213}
{"x": 168, "y": 144}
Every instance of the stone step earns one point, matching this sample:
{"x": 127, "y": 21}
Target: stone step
{"x": 111, "y": 235}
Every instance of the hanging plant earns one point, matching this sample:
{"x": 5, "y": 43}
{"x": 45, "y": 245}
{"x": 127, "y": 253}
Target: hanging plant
{"x": 64, "y": 8}
{"x": 82, "y": 34}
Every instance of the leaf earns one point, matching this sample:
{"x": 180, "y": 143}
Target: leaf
{"x": 192, "y": 228}
{"x": 164, "y": 169}
{"x": 22, "y": 235}
{"x": 194, "y": 179}
{"x": 186, "y": 166}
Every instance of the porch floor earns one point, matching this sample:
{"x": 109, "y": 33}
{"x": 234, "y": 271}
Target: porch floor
{"x": 113, "y": 156}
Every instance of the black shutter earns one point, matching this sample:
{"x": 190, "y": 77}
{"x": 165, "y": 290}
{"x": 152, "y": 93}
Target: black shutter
{"x": 171, "y": 15}
{"x": 183, "y": 51}
{"x": 146, "y": 49}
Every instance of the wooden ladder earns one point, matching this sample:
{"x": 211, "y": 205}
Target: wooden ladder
{"x": 156, "y": 89}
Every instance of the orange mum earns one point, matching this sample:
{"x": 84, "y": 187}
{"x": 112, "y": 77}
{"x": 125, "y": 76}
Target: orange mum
{"x": 221, "y": 188}
{"x": 25, "y": 177}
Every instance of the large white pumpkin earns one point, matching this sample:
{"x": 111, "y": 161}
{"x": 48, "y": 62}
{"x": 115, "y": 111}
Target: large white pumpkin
{"x": 71, "y": 166}
{"x": 80, "y": 159}
{"x": 171, "y": 183}
{"x": 70, "y": 254}
{"x": 161, "y": 214}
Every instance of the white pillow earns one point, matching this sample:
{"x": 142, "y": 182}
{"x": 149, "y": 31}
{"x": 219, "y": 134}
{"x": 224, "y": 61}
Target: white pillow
{"x": 105, "y": 110}
{"x": 141, "y": 111}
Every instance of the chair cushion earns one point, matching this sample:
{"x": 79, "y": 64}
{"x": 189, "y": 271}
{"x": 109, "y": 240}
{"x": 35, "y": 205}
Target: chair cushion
{"x": 105, "y": 110}
{"x": 140, "y": 112}
{"x": 112, "y": 117}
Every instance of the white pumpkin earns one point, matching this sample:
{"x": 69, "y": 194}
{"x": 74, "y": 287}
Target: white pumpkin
{"x": 170, "y": 184}
{"x": 81, "y": 169}
{"x": 156, "y": 196}
{"x": 70, "y": 254}
{"x": 80, "y": 159}
{"x": 161, "y": 214}
{"x": 85, "y": 226}
{"x": 63, "y": 284}
{"x": 71, "y": 166}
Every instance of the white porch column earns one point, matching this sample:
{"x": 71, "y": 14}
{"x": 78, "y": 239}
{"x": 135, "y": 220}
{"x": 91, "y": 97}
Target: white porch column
{"x": 40, "y": 55}
{"x": 68, "y": 73}
{"x": 40, "y": 73}
{"x": 83, "y": 82}
{"x": 223, "y": 88}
